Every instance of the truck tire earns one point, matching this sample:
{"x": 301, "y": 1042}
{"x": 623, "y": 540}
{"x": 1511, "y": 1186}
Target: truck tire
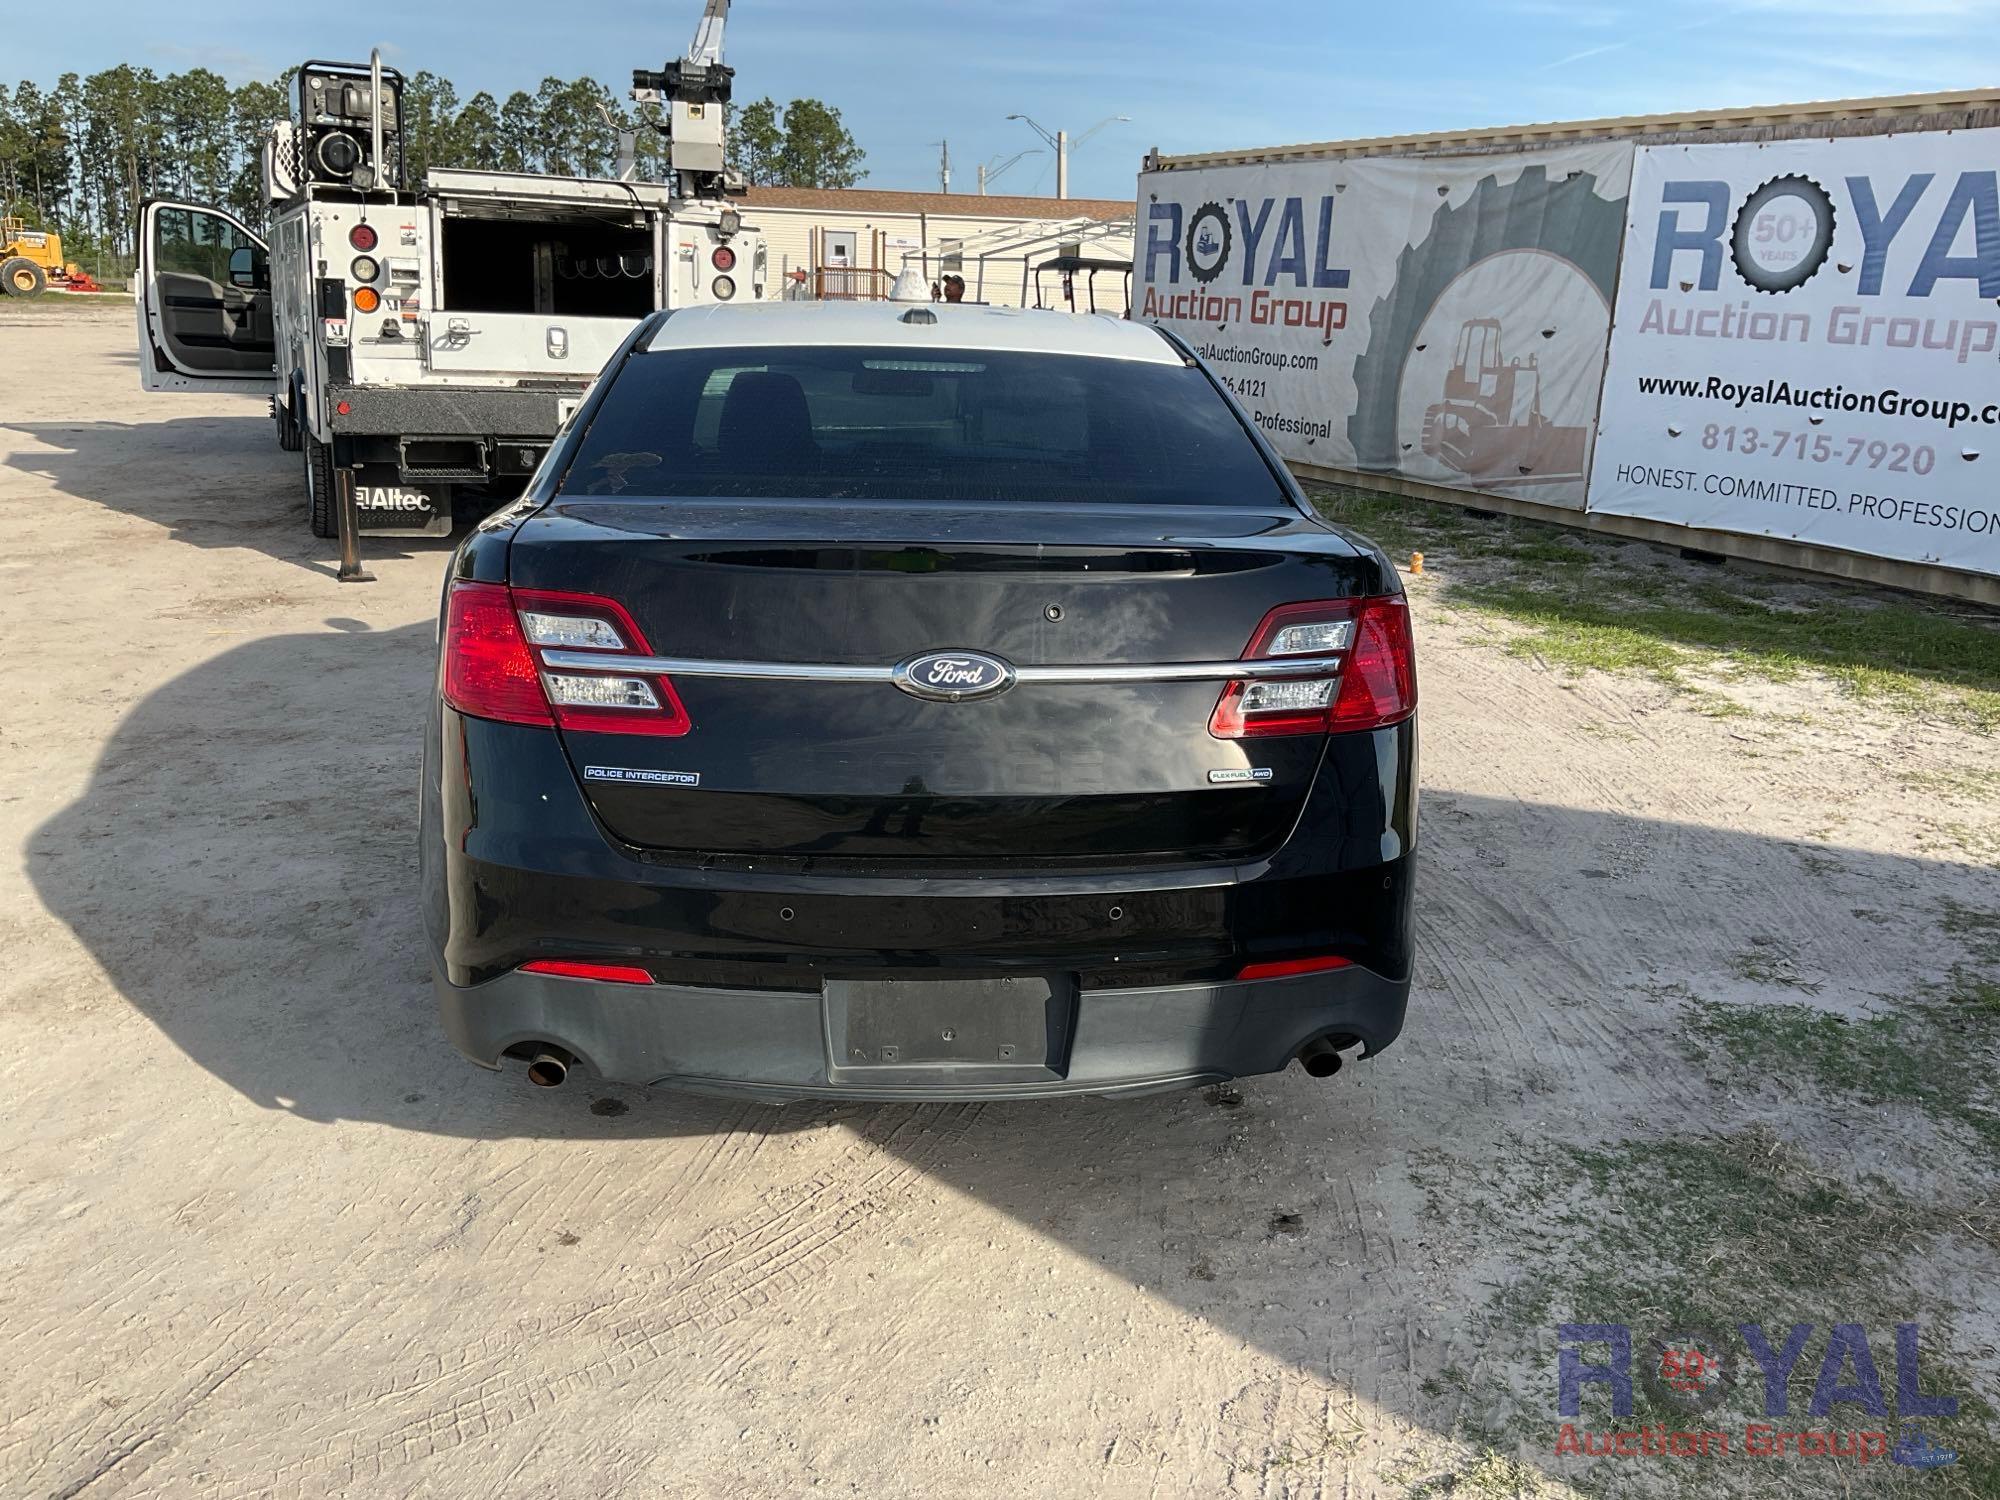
{"x": 320, "y": 508}
{"x": 289, "y": 437}
{"x": 21, "y": 277}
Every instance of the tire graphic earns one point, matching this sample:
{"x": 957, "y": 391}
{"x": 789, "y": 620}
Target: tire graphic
{"x": 1565, "y": 218}
{"x": 1743, "y": 242}
{"x": 1200, "y": 248}
{"x": 1692, "y": 1368}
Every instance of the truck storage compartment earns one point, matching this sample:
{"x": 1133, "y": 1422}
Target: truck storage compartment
{"x": 563, "y": 266}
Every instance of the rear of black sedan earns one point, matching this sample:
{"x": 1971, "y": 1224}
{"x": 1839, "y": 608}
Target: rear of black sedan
{"x": 870, "y": 701}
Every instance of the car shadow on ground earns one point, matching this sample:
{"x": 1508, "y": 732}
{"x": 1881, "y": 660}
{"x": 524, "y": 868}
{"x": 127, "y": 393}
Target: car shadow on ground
{"x": 242, "y": 866}
{"x": 248, "y": 491}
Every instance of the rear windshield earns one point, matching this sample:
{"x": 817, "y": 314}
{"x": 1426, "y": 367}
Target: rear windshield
{"x": 885, "y": 424}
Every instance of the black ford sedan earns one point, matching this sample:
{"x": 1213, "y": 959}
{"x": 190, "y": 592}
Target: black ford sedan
{"x": 912, "y": 703}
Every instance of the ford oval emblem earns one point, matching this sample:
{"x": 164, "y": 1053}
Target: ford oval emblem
{"x": 949, "y": 676}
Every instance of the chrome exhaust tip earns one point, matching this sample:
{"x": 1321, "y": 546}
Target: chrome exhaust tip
{"x": 549, "y": 1067}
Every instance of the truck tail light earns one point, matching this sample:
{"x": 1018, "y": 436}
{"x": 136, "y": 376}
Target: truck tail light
{"x": 1373, "y": 682}
{"x": 494, "y": 664}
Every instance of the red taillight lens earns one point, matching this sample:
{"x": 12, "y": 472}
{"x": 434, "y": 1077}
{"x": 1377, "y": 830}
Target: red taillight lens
{"x": 1289, "y": 968}
{"x": 724, "y": 258}
{"x": 1373, "y": 683}
{"x": 565, "y": 968}
{"x": 1379, "y": 685}
{"x": 362, "y": 237}
{"x": 487, "y": 670}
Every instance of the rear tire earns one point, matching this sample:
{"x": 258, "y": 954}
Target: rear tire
{"x": 289, "y": 437}
{"x": 320, "y": 509}
{"x": 21, "y": 277}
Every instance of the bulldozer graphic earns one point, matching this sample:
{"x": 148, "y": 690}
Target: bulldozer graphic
{"x": 1490, "y": 426}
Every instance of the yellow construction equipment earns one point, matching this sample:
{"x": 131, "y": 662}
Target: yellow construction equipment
{"x": 32, "y": 260}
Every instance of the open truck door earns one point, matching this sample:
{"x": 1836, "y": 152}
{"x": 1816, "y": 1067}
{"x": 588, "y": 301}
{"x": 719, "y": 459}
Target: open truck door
{"x": 204, "y": 302}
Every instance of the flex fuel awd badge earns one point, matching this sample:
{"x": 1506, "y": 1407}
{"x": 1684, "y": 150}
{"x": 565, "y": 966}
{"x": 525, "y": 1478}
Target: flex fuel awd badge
{"x": 1238, "y": 775}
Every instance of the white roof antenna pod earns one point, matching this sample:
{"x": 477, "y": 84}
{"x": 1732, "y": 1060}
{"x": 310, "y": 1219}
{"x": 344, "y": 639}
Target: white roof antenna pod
{"x": 910, "y": 286}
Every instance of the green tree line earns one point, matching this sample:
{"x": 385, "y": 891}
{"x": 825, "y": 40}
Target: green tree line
{"x": 80, "y": 156}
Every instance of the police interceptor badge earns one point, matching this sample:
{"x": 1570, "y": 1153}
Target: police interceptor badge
{"x": 641, "y": 777}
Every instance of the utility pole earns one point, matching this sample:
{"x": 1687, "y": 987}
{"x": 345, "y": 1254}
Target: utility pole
{"x": 1062, "y": 163}
{"x": 944, "y": 167}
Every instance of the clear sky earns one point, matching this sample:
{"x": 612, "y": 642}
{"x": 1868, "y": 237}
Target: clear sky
{"x": 1192, "y": 74}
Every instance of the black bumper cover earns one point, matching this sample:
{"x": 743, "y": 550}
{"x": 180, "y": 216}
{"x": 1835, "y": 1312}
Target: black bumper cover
{"x": 774, "y": 1044}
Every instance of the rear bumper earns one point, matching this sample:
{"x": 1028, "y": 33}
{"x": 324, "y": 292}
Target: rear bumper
{"x": 774, "y": 1044}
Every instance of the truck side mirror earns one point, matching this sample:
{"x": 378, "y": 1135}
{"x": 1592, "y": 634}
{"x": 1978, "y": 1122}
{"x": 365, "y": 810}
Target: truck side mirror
{"x": 250, "y": 268}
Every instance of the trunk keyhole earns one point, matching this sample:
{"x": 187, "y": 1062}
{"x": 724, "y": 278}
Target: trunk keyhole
{"x": 1053, "y": 613}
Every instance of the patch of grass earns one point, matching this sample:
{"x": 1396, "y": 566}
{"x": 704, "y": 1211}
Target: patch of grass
{"x": 1930, "y": 1055}
{"x": 1977, "y": 927}
{"x": 1484, "y": 1475}
{"x": 1396, "y": 524}
{"x": 1899, "y": 655}
{"x": 1588, "y": 603}
{"x": 1966, "y": 783}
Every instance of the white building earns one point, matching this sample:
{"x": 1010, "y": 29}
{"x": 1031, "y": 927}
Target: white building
{"x": 852, "y": 242}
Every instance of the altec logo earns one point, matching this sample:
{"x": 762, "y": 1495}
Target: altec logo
{"x": 1695, "y": 1369}
{"x": 1266, "y": 240}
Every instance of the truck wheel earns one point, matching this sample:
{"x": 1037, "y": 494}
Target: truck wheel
{"x": 289, "y": 437}
{"x": 320, "y": 508}
{"x": 21, "y": 277}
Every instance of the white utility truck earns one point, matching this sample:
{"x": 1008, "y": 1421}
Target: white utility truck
{"x": 419, "y": 343}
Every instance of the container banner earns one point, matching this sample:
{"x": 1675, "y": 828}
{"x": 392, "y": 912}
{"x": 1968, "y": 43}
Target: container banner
{"x": 1443, "y": 319}
{"x": 1808, "y": 345}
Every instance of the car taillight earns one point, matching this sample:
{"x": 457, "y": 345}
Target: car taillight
{"x": 362, "y": 237}
{"x": 496, "y": 667}
{"x": 486, "y": 668}
{"x": 724, "y": 258}
{"x": 1370, "y": 682}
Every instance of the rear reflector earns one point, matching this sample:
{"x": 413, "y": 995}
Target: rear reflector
{"x": 566, "y": 968}
{"x": 1373, "y": 683}
{"x": 1288, "y": 968}
{"x": 486, "y": 669}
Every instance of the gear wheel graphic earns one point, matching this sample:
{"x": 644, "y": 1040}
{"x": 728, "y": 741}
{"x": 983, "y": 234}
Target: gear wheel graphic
{"x": 1702, "y": 1378}
{"x": 1208, "y": 211}
{"x": 1566, "y": 218}
{"x": 1743, "y": 243}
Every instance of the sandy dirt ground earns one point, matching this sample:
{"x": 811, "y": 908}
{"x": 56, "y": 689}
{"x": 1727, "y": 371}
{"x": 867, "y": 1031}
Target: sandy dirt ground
{"x": 263, "y": 1233}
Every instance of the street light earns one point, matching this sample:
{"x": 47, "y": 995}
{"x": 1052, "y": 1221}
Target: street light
{"x": 1061, "y": 142}
{"x": 990, "y": 173}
